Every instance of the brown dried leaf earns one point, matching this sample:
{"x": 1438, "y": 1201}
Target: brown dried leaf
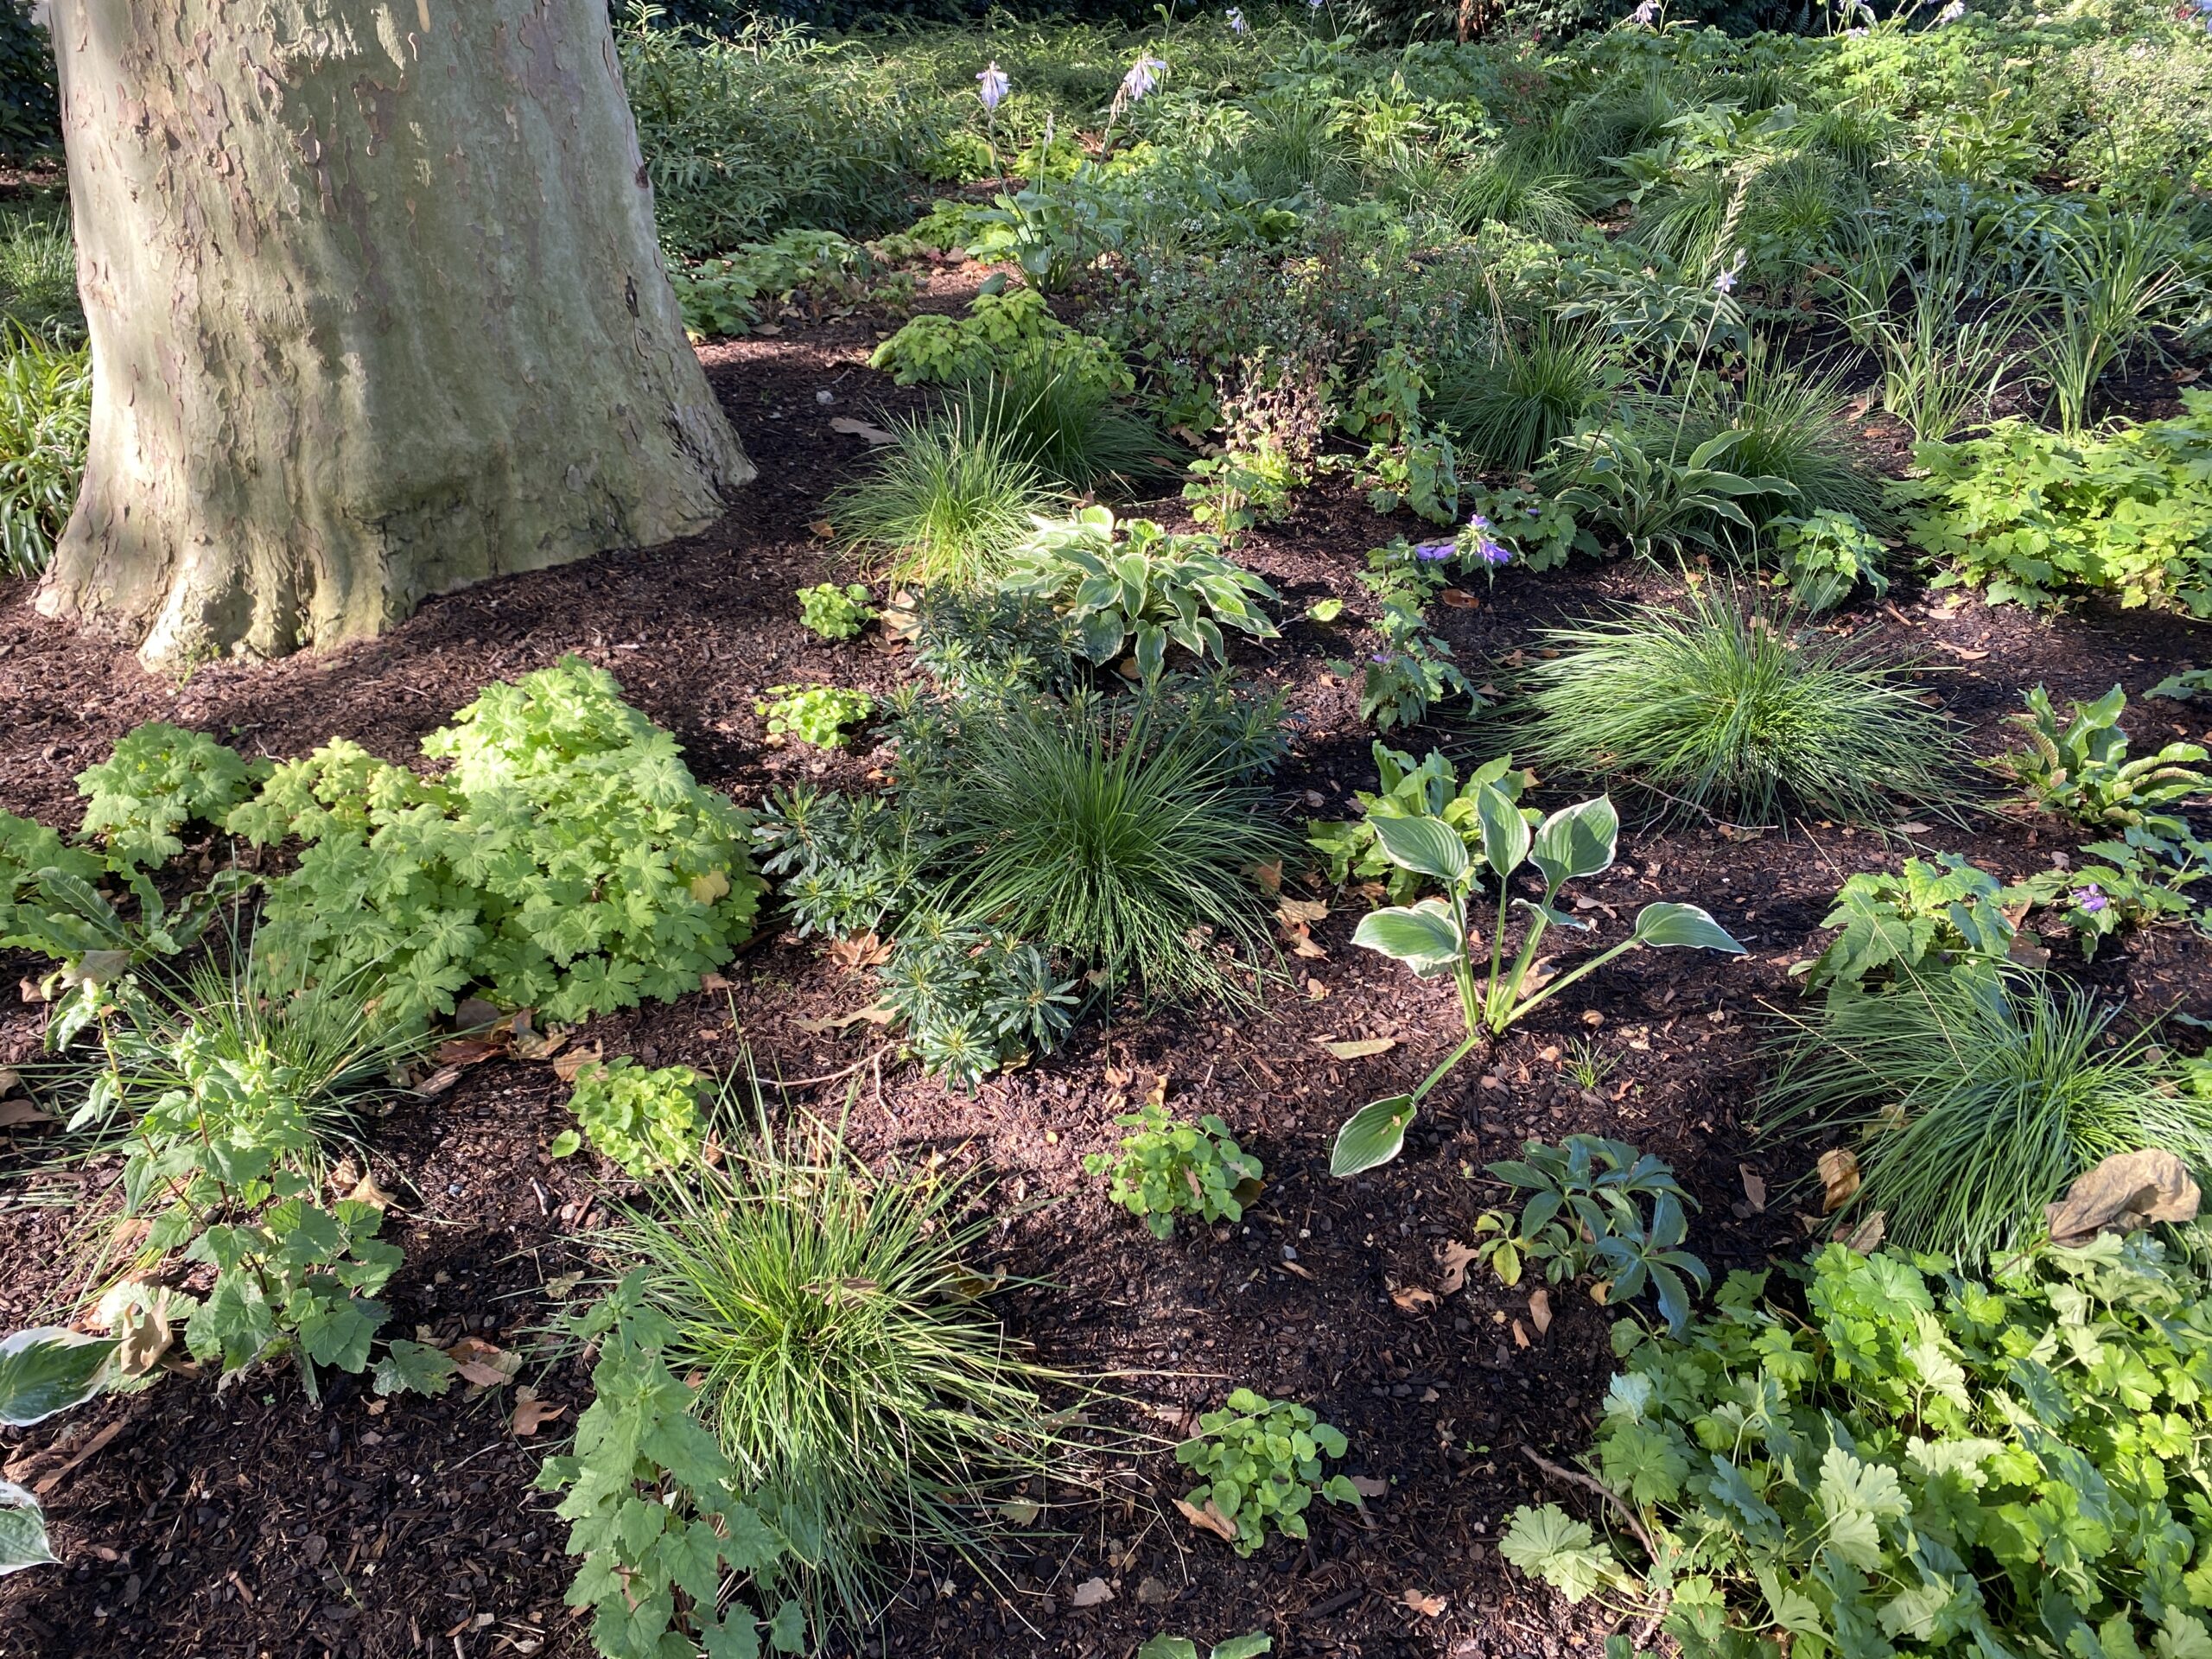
{"x": 1369, "y": 1486}
{"x": 1520, "y": 1335}
{"x": 875, "y": 1014}
{"x": 857, "y": 951}
{"x": 1754, "y": 1188}
{"x": 532, "y": 1413}
{"x": 1294, "y": 913}
{"x": 469, "y": 1050}
{"x": 1866, "y": 1237}
{"x": 17, "y": 1112}
{"x": 1413, "y": 1299}
{"x": 1363, "y": 1049}
{"x": 1301, "y": 944}
{"x": 1268, "y": 876}
{"x": 1210, "y": 1519}
{"x": 1456, "y": 1259}
{"x": 1092, "y": 1592}
{"x": 876, "y": 437}
{"x": 568, "y": 1064}
{"x": 2127, "y": 1190}
{"x": 1838, "y": 1170}
{"x": 1540, "y": 1309}
{"x": 1459, "y": 599}
{"x": 365, "y": 1191}
{"x": 531, "y": 1045}
{"x": 484, "y": 1363}
{"x": 1426, "y": 1606}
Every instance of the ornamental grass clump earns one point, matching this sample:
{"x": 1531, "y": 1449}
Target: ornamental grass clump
{"x": 947, "y": 501}
{"x": 1723, "y": 710}
{"x": 1971, "y": 1099}
{"x": 832, "y": 1321}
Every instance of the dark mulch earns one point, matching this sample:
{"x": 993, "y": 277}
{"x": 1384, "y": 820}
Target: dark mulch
{"x": 250, "y": 1526}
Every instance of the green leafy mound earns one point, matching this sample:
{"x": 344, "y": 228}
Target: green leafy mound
{"x": 1928, "y": 1464}
{"x": 569, "y": 861}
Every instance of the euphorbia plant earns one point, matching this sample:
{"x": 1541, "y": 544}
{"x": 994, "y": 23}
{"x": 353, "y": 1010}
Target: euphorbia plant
{"x": 1435, "y": 937}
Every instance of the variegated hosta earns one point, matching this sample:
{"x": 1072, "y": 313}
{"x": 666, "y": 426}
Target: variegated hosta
{"x": 1435, "y": 937}
{"x": 1152, "y": 590}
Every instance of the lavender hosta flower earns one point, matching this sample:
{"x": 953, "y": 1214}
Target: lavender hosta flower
{"x": 1725, "y": 283}
{"x": 2092, "y": 898}
{"x": 1646, "y": 14}
{"x": 1952, "y": 13}
{"x": 1143, "y": 76}
{"x": 991, "y": 86}
{"x": 1236, "y": 23}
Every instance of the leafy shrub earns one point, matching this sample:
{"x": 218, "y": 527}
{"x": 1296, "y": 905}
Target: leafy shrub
{"x": 27, "y": 850}
{"x": 843, "y": 864}
{"x": 843, "y": 1361}
{"x": 1911, "y": 926}
{"x": 835, "y": 612}
{"x": 1150, "y": 590}
{"x": 1261, "y": 1463}
{"x": 721, "y": 297}
{"x": 1599, "y": 1207}
{"x": 45, "y": 422}
{"x": 1794, "y": 427}
{"x": 813, "y": 713}
{"x": 1009, "y": 333}
{"x": 1414, "y": 671}
{"x": 2138, "y": 879}
{"x": 158, "y": 778}
{"x": 1821, "y": 557}
{"x": 1123, "y": 838}
{"x": 1972, "y": 1100}
{"x": 567, "y": 861}
{"x": 1168, "y": 1168}
{"x": 1716, "y": 708}
{"x": 1929, "y": 1459}
{"x": 644, "y": 1119}
{"x": 658, "y": 1512}
{"x": 946, "y": 501}
{"x": 973, "y": 1000}
{"x": 2030, "y": 517}
{"x": 1433, "y": 790}
{"x": 2080, "y": 770}
{"x": 1435, "y": 936}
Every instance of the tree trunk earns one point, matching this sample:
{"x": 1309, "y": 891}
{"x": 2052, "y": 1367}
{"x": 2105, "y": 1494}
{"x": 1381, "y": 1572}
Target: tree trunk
{"x": 376, "y": 311}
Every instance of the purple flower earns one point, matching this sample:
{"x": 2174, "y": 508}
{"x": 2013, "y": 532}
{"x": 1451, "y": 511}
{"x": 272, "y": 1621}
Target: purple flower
{"x": 1381, "y": 659}
{"x": 1492, "y": 553}
{"x": 1236, "y": 23}
{"x": 1431, "y": 552}
{"x": 992, "y": 87}
{"x": 2091, "y": 897}
{"x": 1725, "y": 283}
{"x": 1477, "y": 521}
{"x": 1645, "y": 14}
{"x": 1143, "y": 76}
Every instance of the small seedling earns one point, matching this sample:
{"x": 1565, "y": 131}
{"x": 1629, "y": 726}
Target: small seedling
{"x": 1261, "y": 1461}
{"x": 1167, "y": 1169}
{"x": 835, "y": 612}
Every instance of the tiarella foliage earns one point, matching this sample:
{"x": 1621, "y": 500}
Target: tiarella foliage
{"x": 1930, "y": 1463}
{"x": 645, "y": 1119}
{"x": 2033, "y": 517}
{"x": 1168, "y": 1168}
{"x": 835, "y": 612}
{"x": 816, "y": 714}
{"x": 567, "y": 860}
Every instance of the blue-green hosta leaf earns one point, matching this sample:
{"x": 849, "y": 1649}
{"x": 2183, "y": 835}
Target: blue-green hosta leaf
{"x": 1576, "y": 841}
{"x": 1425, "y": 936}
{"x": 1669, "y": 924}
{"x": 1424, "y": 846}
{"x": 1505, "y": 831}
{"x": 22, "y": 1530}
{"x": 1151, "y": 649}
{"x": 49, "y": 1369}
{"x": 1549, "y": 1544}
{"x": 1374, "y": 1135}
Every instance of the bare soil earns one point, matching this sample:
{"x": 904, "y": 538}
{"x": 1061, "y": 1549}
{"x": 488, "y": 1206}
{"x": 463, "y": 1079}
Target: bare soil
{"x": 250, "y": 1525}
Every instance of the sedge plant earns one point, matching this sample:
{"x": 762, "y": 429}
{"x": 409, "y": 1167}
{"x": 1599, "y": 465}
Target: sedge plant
{"x": 1438, "y": 937}
{"x": 946, "y": 502}
{"x": 843, "y": 1356}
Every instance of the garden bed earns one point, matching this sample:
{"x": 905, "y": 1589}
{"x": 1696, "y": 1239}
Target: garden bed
{"x": 252, "y": 1523}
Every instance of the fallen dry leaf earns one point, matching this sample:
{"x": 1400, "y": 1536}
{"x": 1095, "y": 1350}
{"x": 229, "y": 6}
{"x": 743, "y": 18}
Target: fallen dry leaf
{"x": 1268, "y": 876}
{"x": 875, "y": 1014}
{"x": 484, "y": 1363}
{"x": 1540, "y": 1309}
{"x": 1754, "y": 1188}
{"x": 1413, "y": 1299}
{"x": 1459, "y": 599}
{"x": 17, "y": 1112}
{"x": 1866, "y": 1237}
{"x": 365, "y": 1191}
{"x": 1426, "y": 1606}
{"x": 1293, "y": 1267}
{"x": 532, "y": 1413}
{"x": 1092, "y": 1592}
{"x": 1362, "y": 1049}
{"x": 1838, "y": 1179}
{"x": 2126, "y": 1192}
{"x": 1292, "y": 913}
{"x": 568, "y": 1064}
{"x": 563, "y": 1284}
{"x": 468, "y": 1051}
{"x": 857, "y": 951}
{"x": 1022, "y": 1511}
{"x": 531, "y": 1045}
{"x": 1210, "y": 1519}
{"x": 1369, "y": 1486}
{"x": 1520, "y": 1335}
{"x": 876, "y": 437}
{"x": 1302, "y": 943}
{"x": 1456, "y": 1259}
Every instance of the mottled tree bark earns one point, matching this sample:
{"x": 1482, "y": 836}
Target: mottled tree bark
{"x": 376, "y": 311}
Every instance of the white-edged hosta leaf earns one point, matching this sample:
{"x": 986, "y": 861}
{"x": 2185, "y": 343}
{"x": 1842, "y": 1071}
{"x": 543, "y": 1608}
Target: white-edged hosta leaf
{"x": 1669, "y": 924}
{"x": 1374, "y": 1135}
